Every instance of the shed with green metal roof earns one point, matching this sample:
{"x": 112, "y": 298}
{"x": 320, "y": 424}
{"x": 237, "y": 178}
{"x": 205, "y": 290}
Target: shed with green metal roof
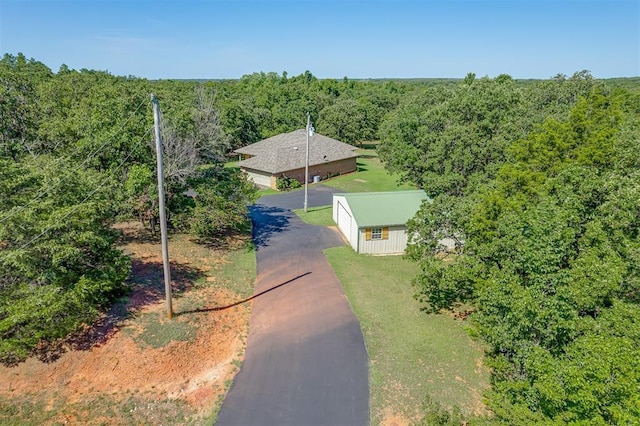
{"x": 375, "y": 222}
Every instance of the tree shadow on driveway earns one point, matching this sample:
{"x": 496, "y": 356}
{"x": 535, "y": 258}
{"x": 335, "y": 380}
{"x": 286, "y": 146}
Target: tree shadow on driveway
{"x": 268, "y": 221}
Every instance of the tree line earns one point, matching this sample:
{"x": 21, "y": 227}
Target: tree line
{"x": 77, "y": 155}
{"x": 539, "y": 185}
{"x": 536, "y": 180}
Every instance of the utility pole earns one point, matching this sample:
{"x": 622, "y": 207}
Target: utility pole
{"x": 306, "y": 163}
{"x": 163, "y": 216}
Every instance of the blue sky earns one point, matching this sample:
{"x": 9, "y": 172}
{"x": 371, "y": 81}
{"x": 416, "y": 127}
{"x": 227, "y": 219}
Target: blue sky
{"x": 332, "y": 39}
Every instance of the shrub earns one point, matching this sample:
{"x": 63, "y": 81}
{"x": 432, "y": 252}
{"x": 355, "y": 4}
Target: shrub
{"x": 286, "y": 183}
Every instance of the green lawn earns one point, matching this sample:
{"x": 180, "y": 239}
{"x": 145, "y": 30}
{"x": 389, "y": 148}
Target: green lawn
{"x": 412, "y": 354}
{"x": 268, "y": 191}
{"x": 317, "y": 215}
{"x": 370, "y": 177}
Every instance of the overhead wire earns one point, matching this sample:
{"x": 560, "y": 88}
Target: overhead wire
{"x": 17, "y": 210}
{"x": 77, "y": 206}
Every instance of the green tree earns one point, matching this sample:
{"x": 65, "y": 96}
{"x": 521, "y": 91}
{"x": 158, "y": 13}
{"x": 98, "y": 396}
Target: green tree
{"x": 241, "y": 122}
{"x": 549, "y": 263}
{"x": 19, "y": 103}
{"x": 76, "y": 152}
{"x": 442, "y": 140}
{"x": 58, "y": 265}
{"x": 350, "y": 121}
{"x": 221, "y": 203}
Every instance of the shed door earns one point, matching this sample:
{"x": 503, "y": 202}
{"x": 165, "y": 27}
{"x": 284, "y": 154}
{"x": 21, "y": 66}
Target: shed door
{"x": 344, "y": 221}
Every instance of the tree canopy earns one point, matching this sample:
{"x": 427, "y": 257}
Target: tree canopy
{"x": 548, "y": 254}
{"x": 77, "y": 153}
{"x": 537, "y": 181}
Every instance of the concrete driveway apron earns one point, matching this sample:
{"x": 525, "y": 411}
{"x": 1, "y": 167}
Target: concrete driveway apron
{"x": 306, "y": 362}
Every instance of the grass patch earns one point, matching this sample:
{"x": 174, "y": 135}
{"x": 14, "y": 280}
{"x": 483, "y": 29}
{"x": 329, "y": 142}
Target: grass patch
{"x": 268, "y": 191}
{"x": 239, "y": 272}
{"x": 139, "y": 410}
{"x": 370, "y": 177}
{"x": 321, "y": 216}
{"x": 103, "y": 410}
{"x": 413, "y": 355}
{"x": 28, "y": 411}
{"x": 156, "y": 333}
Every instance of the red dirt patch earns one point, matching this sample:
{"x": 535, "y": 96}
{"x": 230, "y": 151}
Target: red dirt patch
{"x": 394, "y": 419}
{"x": 107, "y": 360}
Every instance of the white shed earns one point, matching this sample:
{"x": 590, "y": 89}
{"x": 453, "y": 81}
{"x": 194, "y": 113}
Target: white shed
{"x": 375, "y": 222}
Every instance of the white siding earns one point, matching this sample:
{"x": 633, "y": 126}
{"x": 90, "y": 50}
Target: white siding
{"x": 449, "y": 244}
{"x": 336, "y": 200}
{"x": 344, "y": 220}
{"x": 343, "y": 217}
{"x": 395, "y": 244}
{"x": 262, "y": 179}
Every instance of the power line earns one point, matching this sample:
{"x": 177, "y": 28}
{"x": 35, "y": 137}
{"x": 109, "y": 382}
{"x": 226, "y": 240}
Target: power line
{"x": 74, "y": 208}
{"x": 17, "y": 210}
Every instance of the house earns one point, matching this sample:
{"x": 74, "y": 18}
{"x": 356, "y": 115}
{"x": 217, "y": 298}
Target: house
{"x": 284, "y": 155}
{"x": 375, "y": 222}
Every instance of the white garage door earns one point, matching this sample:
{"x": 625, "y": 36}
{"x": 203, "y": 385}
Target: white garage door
{"x": 260, "y": 179}
{"x": 344, "y": 221}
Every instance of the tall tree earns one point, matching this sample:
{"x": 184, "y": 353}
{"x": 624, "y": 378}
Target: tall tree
{"x": 58, "y": 262}
{"x": 19, "y": 103}
{"x": 210, "y": 139}
{"x": 549, "y": 264}
{"x": 442, "y": 140}
{"x": 350, "y": 121}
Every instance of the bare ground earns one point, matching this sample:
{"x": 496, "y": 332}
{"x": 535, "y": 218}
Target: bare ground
{"x": 134, "y": 365}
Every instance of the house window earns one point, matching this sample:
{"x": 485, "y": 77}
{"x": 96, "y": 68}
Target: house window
{"x": 376, "y": 233}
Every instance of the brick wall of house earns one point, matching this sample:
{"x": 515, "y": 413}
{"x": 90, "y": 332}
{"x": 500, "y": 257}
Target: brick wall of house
{"x": 325, "y": 171}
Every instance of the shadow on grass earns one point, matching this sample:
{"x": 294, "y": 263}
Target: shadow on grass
{"x": 147, "y": 280}
{"x": 222, "y": 308}
{"x": 147, "y": 287}
{"x": 230, "y": 239}
{"x": 138, "y": 234}
{"x": 365, "y": 145}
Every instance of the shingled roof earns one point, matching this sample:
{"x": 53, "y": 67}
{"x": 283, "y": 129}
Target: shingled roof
{"x": 287, "y": 151}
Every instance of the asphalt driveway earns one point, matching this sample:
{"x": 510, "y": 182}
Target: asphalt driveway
{"x": 306, "y": 362}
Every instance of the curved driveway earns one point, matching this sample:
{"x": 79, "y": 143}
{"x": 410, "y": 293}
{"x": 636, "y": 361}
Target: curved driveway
{"x": 306, "y": 362}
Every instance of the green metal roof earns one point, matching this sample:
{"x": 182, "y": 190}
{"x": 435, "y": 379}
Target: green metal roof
{"x": 384, "y": 208}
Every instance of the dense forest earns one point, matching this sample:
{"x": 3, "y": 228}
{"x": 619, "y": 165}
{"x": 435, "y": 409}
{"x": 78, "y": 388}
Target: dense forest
{"x": 536, "y": 180}
{"x": 540, "y": 187}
